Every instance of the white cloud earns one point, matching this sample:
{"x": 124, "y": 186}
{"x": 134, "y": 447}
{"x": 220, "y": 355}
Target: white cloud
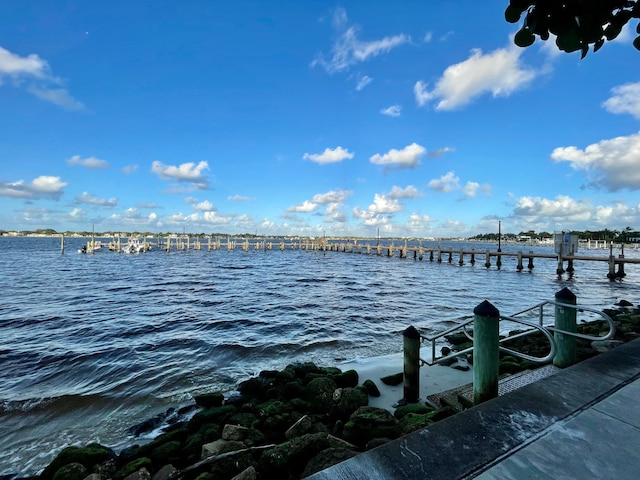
{"x": 348, "y": 50}
{"x": 89, "y": 199}
{"x": 90, "y": 162}
{"x": 363, "y": 82}
{"x": 57, "y": 96}
{"x": 15, "y": 66}
{"x": 392, "y": 111}
{"x": 439, "y": 152}
{"x": 384, "y": 205}
{"x": 612, "y": 164}
{"x": 408, "y": 192}
{"x": 408, "y": 157}
{"x": 471, "y": 189}
{"x": 239, "y": 198}
{"x": 205, "y": 206}
{"x": 329, "y": 156}
{"x": 447, "y": 183}
{"x": 332, "y": 196}
{"x": 427, "y": 37}
{"x": 499, "y": 72}
{"x": 332, "y": 200}
{"x": 33, "y": 74}
{"x": 625, "y": 99}
{"x": 41, "y": 187}
{"x": 419, "y": 223}
{"x": 129, "y": 169}
{"x": 304, "y": 207}
{"x": 561, "y": 209}
{"x": 339, "y": 18}
{"x": 186, "y": 172}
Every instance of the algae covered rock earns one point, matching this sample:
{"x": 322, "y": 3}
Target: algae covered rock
{"x": 71, "y": 471}
{"x": 292, "y": 456}
{"x": 368, "y": 423}
{"x": 89, "y": 456}
{"x": 319, "y": 393}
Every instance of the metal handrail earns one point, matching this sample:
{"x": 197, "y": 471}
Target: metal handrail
{"x": 546, "y": 331}
{"x": 540, "y": 306}
{"x": 468, "y": 321}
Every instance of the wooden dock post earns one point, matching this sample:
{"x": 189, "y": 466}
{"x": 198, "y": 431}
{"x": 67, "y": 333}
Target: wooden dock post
{"x": 620, "y": 273}
{"x": 439, "y": 254}
{"x": 62, "y": 244}
{"x": 498, "y": 261}
{"x": 570, "y": 268}
{"x": 461, "y": 260}
{"x": 431, "y": 255}
{"x": 530, "y": 265}
{"x": 487, "y": 261}
{"x": 473, "y": 257}
{"x": 411, "y": 343}
{"x": 450, "y": 256}
{"x": 565, "y": 319}
{"x": 420, "y": 253}
{"x": 519, "y": 267}
{"x": 486, "y": 352}
{"x": 560, "y": 269}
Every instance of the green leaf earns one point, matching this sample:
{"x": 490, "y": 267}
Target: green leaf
{"x": 512, "y": 15}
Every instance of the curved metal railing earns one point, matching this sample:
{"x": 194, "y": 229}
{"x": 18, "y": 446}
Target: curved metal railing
{"x": 578, "y": 308}
{"x": 546, "y": 330}
{"x": 469, "y": 320}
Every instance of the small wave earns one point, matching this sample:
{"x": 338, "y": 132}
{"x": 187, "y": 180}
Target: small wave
{"x": 64, "y": 403}
{"x": 312, "y": 280}
{"x": 235, "y": 267}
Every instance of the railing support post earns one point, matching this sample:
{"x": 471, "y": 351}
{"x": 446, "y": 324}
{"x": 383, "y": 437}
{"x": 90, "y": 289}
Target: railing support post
{"x": 486, "y": 352}
{"x": 411, "y": 365}
{"x": 565, "y": 320}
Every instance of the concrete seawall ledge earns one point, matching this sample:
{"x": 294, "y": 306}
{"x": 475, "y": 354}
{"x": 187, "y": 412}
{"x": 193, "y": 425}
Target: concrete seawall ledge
{"x": 583, "y": 422}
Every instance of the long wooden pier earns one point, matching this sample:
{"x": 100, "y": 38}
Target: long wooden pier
{"x": 616, "y": 264}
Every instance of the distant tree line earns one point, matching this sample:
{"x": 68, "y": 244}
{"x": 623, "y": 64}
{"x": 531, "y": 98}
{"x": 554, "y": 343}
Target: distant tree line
{"x": 620, "y": 236}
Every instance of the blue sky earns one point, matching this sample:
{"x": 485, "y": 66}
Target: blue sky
{"x": 413, "y": 118}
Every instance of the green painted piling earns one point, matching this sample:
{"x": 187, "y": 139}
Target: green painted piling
{"x": 486, "y": 352}
{"x": 411, "y": 342}
{"x": 565, "y": 320}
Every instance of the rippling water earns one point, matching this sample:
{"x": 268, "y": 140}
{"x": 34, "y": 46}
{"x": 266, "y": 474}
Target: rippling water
{"x": 93, "y": 344}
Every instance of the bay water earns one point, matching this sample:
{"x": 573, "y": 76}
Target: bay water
{"x": 93, "y": 344}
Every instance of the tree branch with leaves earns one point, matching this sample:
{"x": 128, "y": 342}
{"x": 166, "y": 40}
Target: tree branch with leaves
{"x": 576, "y": 24}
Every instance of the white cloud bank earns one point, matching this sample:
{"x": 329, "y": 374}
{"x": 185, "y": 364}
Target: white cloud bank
{"x": 612, "y": 164}
{"x": 41, "y": 187}
{"x": 499, "y": 72}
{"x": 392, "y": 111}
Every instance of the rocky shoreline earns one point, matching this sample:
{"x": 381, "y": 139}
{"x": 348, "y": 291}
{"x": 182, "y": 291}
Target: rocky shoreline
{"x": 291, "y": 423}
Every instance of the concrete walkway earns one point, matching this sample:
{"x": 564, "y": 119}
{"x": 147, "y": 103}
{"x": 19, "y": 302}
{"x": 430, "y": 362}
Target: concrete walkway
{"x": 581, "y": 423}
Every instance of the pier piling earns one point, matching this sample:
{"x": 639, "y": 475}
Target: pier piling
{"x": 565, "y": 319}
{"x": 486, "y": 352}
{"x": 411, "y": 341}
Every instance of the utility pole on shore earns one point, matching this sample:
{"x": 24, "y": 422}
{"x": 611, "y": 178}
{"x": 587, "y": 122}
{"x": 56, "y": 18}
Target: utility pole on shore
{"x": 499, "y": 234}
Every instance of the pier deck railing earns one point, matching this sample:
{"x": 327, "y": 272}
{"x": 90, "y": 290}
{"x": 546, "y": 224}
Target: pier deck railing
{"x": 487, "y": 342}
